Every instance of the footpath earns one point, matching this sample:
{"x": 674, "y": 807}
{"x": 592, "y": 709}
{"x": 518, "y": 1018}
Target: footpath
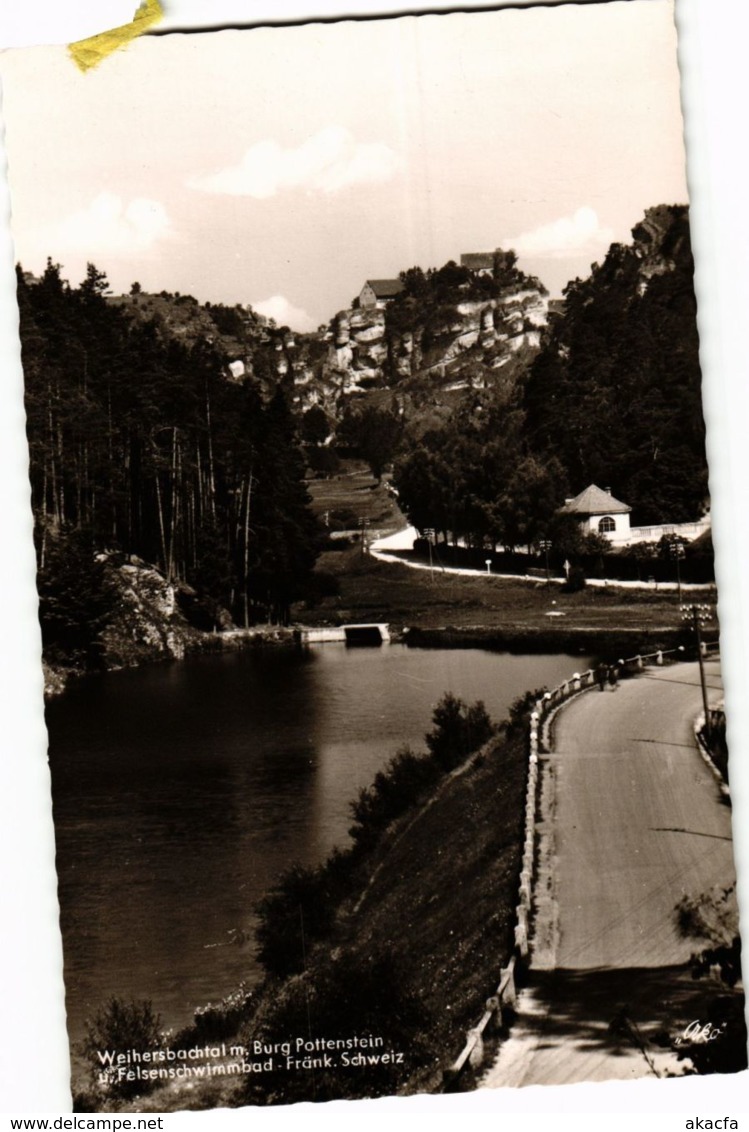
{"x": 632, "y": 819}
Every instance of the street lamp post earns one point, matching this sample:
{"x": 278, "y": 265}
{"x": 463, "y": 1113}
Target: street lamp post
{"x": 698, "y": 616}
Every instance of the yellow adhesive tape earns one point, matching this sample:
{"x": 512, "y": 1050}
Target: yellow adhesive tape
{"x": 88, "y": 53}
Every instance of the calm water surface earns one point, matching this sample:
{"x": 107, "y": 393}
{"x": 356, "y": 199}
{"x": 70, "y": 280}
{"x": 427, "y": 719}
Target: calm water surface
{"x": 181, "y": 792}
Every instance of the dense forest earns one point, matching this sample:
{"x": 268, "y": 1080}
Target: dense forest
{"x": 476, "y": 479}
{"x": 140, "y": 445}
{"x": 613, "y": 397}
{"x": 615, "y": 394}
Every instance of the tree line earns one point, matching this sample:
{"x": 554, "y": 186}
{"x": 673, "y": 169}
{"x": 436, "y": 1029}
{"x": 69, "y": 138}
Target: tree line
{"x": 613, "y": 397}
{"x": 615, "y": 394}
{"x": 476, "y": 480}
{"x": 140, "y": 444}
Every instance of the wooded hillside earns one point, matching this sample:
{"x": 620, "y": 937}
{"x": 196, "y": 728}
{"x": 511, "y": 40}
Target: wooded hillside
{"x": 140, "y": 444}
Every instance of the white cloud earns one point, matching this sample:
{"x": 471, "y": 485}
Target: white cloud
{"x": 326, "y": 162}
{"x": 285, "y": 314}
{"x": 571, "y": 235}
{"x": 108, "y": 224}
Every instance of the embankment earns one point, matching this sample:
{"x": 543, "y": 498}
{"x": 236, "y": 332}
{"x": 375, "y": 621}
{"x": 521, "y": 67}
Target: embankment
{"x": 611, "y": 642}
{"x": 413, "y": 952}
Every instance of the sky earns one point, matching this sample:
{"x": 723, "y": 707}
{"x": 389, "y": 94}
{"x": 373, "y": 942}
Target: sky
{"x": 282, "y": 167}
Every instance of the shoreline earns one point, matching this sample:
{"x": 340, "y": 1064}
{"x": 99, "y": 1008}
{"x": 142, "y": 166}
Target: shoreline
{"x": 58, "y": 677}
{"x": 511, "y": 639}
{"x": 561, "y": 639}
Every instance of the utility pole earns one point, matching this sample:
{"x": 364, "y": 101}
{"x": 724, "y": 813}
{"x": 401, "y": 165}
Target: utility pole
{"x": 699, "y": 615}
{"x": 545, "y": 545}
{"x": 430, "y": 534}
{"x": 676, "y": 548}
{"x": 363, "y": 523}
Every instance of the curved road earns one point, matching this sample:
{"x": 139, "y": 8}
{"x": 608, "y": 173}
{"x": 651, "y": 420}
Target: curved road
{"x": 633, "y": 820}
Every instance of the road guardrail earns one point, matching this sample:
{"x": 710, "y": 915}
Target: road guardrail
{"x": 500, "y": 1004}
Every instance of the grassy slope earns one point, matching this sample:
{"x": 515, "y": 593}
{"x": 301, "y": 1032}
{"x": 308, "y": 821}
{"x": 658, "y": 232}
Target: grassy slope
{"x": 435, "y": 925}
{"x": 356, "y": 490}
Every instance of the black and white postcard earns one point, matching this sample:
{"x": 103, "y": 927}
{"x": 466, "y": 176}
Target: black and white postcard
{"x": 370, "y": 509}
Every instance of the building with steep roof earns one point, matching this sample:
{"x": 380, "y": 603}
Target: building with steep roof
{"x": 599, "y": 513}
{"x": 377, "y": 293}
{"x": 482, "y": 263}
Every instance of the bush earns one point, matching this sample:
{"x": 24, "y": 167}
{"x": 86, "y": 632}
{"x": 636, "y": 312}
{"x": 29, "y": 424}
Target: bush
{"x": 345, "y": 995}
{"x": 575, "y": 582}
{"x": 321, "y": 584}
{"x": 521, "y": 708}
{"x": 216, "y": 1020}
{"x": 712, "y": 918}
{"x": 458, "y": 730}
{"x": 394, "y": 790}
{"x": 717, "y": 742}
{"x": 121, "y": 1026}
{"x": 302, "y": 907}
{"x": 298, "y": 910}
{"x": 322, "y": 461}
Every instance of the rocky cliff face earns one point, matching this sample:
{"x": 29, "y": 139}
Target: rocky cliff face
{"x": 465, "y": 342}
{"x": 455, "y": 338}
{"x": 462, "y": 342}
{"x": 152, "y": 619}
{"x": 358, "y": 351}
{"x": 249, "y": 345}
{"x": 659, "y": 243}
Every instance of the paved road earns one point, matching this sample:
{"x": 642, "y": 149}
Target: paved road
{"x": 637, "y": 820}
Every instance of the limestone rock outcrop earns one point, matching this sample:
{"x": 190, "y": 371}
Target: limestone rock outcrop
{"x": 365, "y": 351}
